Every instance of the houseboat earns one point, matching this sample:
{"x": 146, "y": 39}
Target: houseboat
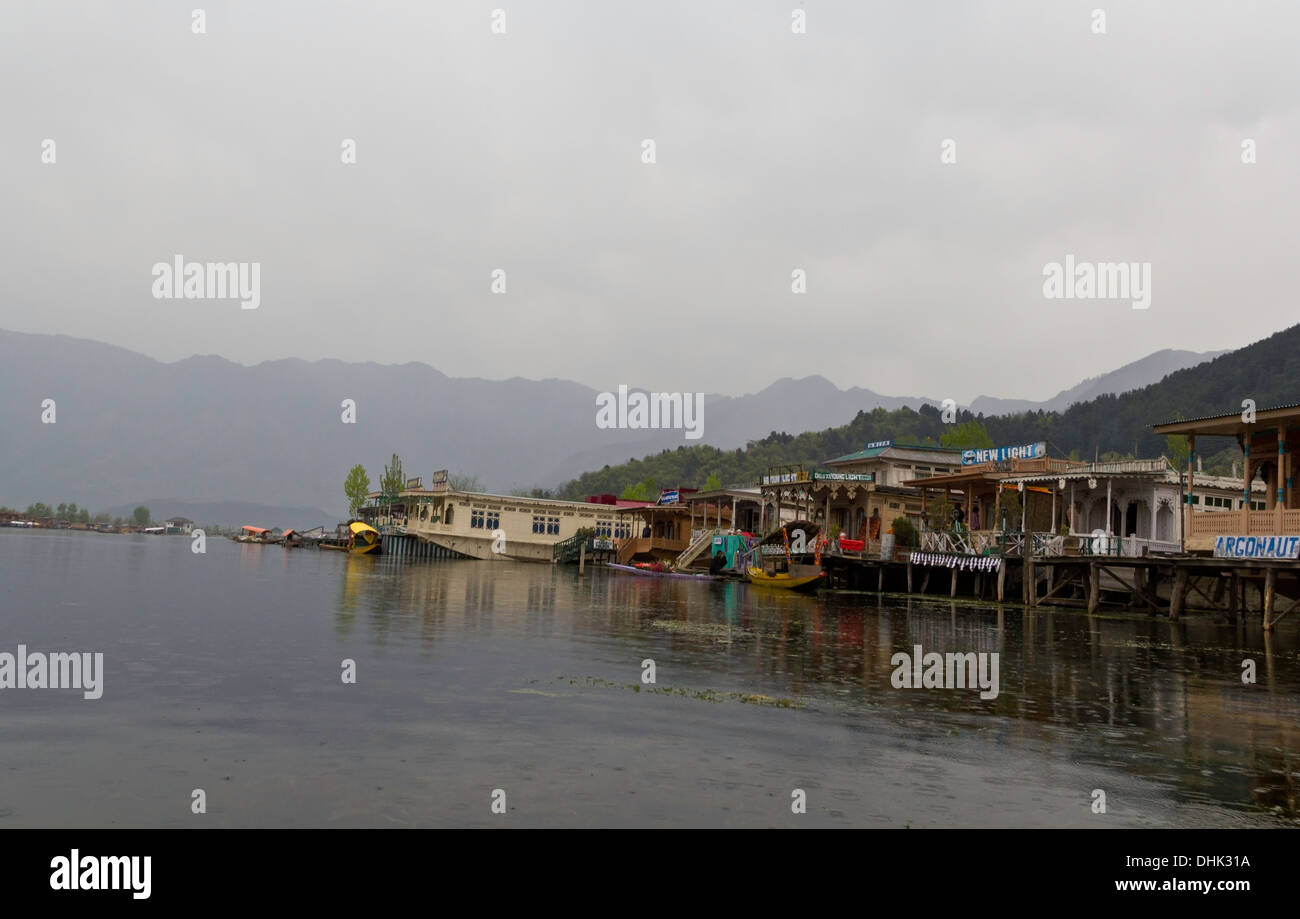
{"x": 490, "y": 526}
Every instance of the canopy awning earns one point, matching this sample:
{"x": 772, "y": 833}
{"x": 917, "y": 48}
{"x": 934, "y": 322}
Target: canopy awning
{"x": 258, "y": 530}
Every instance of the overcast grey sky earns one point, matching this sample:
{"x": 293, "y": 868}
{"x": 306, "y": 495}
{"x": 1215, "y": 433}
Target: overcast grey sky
{"x": 775, "y": 151}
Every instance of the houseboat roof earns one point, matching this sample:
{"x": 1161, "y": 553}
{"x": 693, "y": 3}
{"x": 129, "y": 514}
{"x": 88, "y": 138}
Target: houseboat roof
{"x": 652, "y": 509}
{"x": 1231, "y": 424}
{"x": 257, "y": 530}
{"x": 748, "y": 492}
{"x": 1155, "y": 468}
{"x": 897, "y": 451}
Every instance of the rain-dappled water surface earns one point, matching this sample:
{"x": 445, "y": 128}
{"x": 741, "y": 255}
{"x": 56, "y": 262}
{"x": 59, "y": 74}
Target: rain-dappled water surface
{"x": 223, "y": 673}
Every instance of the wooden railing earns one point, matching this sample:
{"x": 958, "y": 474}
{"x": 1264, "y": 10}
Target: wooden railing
{"x": 1277, "y": 522}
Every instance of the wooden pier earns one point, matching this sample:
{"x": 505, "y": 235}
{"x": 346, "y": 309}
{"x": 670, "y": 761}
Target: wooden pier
{"x": 1158, "y": 585}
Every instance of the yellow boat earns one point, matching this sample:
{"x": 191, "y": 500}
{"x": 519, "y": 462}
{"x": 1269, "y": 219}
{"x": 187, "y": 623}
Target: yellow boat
{"x": 785, "y": 580}
{"x": 364, "y": 540}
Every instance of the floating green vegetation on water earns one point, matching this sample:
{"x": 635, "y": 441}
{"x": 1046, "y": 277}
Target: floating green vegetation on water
{"x": 702, "y": 695}
{"x": 708, "y": 629}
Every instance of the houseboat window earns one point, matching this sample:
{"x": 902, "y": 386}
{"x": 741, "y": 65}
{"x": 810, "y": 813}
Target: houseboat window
{"x": 476, "y": 520}
{"x": 539, "y": 525}
{"x": 450, "y": 513}
{"x": 1256, "y": 505}
{"x": 493, "y": 520}
{"x": 622, "y": 530}
{"x": 604, "y": 529}
{"x": 552, "y": 526}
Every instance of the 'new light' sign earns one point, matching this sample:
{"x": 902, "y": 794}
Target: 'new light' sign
{"x": 1001, "y": 454}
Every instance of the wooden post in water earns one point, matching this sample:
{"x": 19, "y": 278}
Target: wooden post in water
{"x": 952, "y": 590}
{"x": 1094, "y": 586}
{"x": 909, "y": 574}
{"x": 1179, "y": 593}
{"x": 1002, "y": 580}
{"x": 880, "y": 577}
{"x": 1270, "y": 591}
{"x": 582, "y": 557}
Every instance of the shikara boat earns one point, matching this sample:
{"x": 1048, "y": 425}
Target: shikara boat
{"x": 363, "y": 539}
{"x": 787, "y": 580}
{"x": 258, "y": 535}
{"x": 651, "y": 572}
{"x": 788, "y": 559}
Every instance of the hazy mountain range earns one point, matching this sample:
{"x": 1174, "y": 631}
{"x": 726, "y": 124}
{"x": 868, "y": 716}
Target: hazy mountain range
{"x": 204, "y": 430}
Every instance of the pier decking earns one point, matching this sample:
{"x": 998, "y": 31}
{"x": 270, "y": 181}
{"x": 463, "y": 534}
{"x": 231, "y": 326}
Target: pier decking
{"x": 1168, "y": 586}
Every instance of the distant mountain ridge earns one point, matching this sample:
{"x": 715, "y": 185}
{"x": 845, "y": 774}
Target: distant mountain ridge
{"x": 1143, "y": 372}
{"x": 205, "y": 429}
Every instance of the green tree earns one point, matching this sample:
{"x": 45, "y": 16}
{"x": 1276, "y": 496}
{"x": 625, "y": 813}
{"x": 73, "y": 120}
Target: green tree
{"x": 968, "y": 435}
{"x": 641, "y": 491}
{"x": 61, "y": 511}
{"x": 713, "y": 482}
{"x": 463, "y": 482}
{"x": 392, "y": 482}
{"x": 141, "y": 516}
{"x": 83, "y": 516}
{"x": 39, "y": 509}
{"x": 356, "y": 486}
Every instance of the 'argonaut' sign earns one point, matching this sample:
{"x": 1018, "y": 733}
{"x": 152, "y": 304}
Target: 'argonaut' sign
{"x": 1278, "y": 547}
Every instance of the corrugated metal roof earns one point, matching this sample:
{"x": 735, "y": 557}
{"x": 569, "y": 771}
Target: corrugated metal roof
{"x": 1224, "y": 416}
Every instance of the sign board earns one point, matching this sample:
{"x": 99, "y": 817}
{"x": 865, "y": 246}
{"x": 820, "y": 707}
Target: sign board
{"x": 439, "y": 480}
{"x": 601, "y": 543}
{"x": 785, "y": 478}
{"x": 844, "y": 476}
{"x": 878, "y": 444}
{"x": 1002, "y": 454}
{"x": 413, "y": 484}
{"x": 1274, "y": 547}
{"x": 668, "y": 496}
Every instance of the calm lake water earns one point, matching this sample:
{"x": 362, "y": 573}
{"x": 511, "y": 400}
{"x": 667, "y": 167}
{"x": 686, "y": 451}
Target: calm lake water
{"x": 223, "y": 673}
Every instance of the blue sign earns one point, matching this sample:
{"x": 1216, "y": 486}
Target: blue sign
{"x": 1275, "y": 547}
{"x": 668, "y": 497}
{"x": 1000, "y": 454}
{"x": 877, "y": 444}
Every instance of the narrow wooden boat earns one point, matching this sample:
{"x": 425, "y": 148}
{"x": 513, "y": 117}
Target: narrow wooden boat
{"x": 666, "y": 573}
{"x": 785, "y": 580}
{"x": 257, "y": 535}
{"x": 789, "y": 558}
{"x": 363, "y": 539}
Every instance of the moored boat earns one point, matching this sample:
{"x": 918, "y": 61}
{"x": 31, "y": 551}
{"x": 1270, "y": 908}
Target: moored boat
{"x": 258, "y": 535}
{"x": 781, "y": 560}
{"x": 661, "y": 571}
{"x": 362, "y": 539}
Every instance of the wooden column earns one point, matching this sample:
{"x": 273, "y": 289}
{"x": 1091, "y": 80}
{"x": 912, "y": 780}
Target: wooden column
{"x": 1179, "y": 592}
{"x": 1191, "y": 481}
{"x": 909, "y": 574}
{"x": 1270, "y": 592}
{"x": 1002, "y": 580}
{"x": 952, "y": 590}
{"x": 1094, "y": 586}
